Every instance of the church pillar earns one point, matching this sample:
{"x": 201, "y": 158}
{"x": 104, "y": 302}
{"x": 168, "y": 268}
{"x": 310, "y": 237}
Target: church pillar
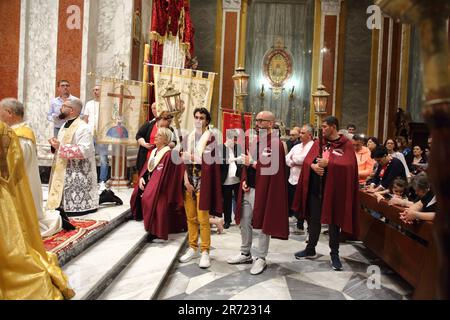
{"x": 389, "y": 88}
{"x": 229, "y": 52}
{"x": 9, "y": 47}
{"x": 328, "y": 52}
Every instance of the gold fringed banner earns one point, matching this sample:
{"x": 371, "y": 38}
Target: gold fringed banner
{"x": 196, "y": 89}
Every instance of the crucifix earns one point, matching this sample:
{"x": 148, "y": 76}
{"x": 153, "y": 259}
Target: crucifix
{"x": 121, "y": 96}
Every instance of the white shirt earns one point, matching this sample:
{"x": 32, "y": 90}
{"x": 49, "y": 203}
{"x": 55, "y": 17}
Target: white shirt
{"x": 232, "y": 169}
{"x": 295, "y": 158}
{"x": 91, "y": 109}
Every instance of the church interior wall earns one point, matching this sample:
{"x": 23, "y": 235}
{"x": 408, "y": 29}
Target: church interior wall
{"x": 358, "y": 45}
{"x": 292, "y": 22}
{"x": 9, "y": 46}
{"x": 415, "y": 85}
{"x": 203, "y": 15}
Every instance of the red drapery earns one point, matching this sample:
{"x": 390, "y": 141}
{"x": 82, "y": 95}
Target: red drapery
{"x": 169, "y": 19}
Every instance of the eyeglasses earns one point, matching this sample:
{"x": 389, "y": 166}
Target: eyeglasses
{"x": 261, "y": 120}
{"x": 167, "y": 118}
{"x": 64, "y": 85}
{"x": 200, "y": 118}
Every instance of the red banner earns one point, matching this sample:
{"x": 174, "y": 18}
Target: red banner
{"x": 233, "y": 120}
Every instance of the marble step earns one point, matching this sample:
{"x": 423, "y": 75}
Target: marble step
{"x": 143, "y": 278}
{"x": 115, "y": 215}
{"x": 92, "y": 271}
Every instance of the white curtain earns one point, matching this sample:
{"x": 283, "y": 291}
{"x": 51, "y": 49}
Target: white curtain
{"x": 173, "y": 53}
{"x": 196, "y": 89}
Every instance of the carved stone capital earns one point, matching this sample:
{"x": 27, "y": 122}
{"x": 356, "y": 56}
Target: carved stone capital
{"x": 331, "y": 7}
{"x": 231, "y": 4}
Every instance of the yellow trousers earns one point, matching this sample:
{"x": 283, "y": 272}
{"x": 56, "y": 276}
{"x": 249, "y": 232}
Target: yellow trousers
{"x": 197, "y": 219}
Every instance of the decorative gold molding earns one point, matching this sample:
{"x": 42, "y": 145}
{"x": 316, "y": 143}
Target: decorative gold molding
{"x": 404, "y": 68}
{"x": 340, "y": 61}
{"x": 315, "y": 55}
{"x": 243, "y": 33}
{"x": 373, "y": 82}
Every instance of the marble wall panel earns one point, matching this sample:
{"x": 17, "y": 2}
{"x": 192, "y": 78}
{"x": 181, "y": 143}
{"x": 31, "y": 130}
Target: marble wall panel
{"x": 39, "y": 63}
{"x": 358, "y": 44}
{"x": 114, "y": 32}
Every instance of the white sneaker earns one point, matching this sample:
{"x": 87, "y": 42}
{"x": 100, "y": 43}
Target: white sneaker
{"x": 102, "y": 186}
{"x": 188, "y": 256}
{"x": 259, "y": 265}
{"x": 205, "y": 262}
{"x": 240, "y": 258}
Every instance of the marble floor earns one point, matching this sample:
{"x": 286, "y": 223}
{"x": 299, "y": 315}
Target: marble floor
{"x": 285, "y": 277}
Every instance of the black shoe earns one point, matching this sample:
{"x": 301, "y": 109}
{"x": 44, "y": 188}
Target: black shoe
{"x": 226, "y": 225}
{"x": 306, "y": 254}
{"x": 336, "y": 262}
{"x": 66, "y": 225}
{"x": 151, "y": 237}
{"x": 300, "y": 225}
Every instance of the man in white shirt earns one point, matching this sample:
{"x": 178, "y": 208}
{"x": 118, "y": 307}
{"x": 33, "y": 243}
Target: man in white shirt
{"x": 294, "y": 159}
{"x": 56, "y": 103}
{"x": 91, "y": 111}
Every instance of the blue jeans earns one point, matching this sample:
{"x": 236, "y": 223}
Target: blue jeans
{"x": 102, "y": 151}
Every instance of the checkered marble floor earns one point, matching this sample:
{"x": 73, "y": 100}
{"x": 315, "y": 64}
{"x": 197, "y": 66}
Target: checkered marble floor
{"x": 285, "y": 277}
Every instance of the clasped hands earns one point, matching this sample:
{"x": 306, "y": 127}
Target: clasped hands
{"x": 320, "y": 166}
{"x": 408, "y": 216}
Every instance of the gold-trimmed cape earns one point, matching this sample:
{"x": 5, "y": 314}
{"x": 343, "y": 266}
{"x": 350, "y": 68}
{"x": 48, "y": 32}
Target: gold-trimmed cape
{"x": 27, "y": 271}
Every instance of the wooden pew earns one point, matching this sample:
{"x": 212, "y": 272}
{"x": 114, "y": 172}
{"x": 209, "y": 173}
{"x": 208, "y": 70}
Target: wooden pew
{"x": 412, "y": 257}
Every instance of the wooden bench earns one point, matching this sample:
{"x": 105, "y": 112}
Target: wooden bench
{"x": 412, "y": 256}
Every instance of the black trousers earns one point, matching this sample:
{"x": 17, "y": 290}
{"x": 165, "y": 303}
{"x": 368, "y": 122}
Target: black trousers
{"x": 291, "y": 194}
{"x": 229, "y": 193}
{"x": 314, "y": 211}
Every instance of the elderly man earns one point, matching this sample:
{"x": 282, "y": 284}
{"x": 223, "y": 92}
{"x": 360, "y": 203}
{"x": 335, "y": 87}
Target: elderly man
{"x": 294, "y": 160}
{"x": 56, "y": 103}
{"x": 73, "y": 185}
{"x": 294, "y": 136}
{"x": 263, "y": 201}
{"x": 12, "y": 113}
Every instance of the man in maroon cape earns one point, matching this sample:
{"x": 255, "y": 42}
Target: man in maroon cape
{"x": 327, "y": 191}
{"x": 203, "y": 187}
{"x": 263, "y": 195}
{"x": 158, "y": 199}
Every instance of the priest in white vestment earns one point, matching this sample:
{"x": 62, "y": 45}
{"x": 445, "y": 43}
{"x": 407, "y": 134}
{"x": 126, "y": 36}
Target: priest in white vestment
{"x": 73, "y": 183}
{"x": 12, "y": 113}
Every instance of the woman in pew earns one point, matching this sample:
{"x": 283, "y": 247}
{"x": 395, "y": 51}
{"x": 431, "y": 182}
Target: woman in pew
{"x": 158, "y": 197}
{"x": 425, "y": 207}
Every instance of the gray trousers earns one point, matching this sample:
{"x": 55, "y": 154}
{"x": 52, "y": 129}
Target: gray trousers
{"x": 261, "y": 250}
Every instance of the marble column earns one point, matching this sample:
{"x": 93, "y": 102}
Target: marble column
{"x": 229, "y": 51}
{"x": 328, "y": 44}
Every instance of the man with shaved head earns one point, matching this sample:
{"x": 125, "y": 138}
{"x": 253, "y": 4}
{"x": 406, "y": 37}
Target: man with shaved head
{"x": 73, "y": 185}
{"x": 262, "y": 201}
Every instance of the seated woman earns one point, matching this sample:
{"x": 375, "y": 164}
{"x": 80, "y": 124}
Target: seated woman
{"x": 397, "y": 190}
{"x": 388, "y": 170}
{"x": 419, "y": 162}
{"x": 158, "y": 196}
{"x": 425, "y": 208}
{"x": 392, "y": 148}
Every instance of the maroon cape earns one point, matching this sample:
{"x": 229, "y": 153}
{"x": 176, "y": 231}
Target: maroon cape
{"x": 211, "y": 184}
{"x": 270, "y": 212}
{"x": 162, "y": 199}
{"x": 340, "y": 196}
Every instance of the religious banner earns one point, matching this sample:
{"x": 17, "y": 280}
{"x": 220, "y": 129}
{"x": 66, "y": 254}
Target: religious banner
{"x": 196, "y": 89}
{"x": 120, "y": 112}
{"x": 233, "y": 120}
